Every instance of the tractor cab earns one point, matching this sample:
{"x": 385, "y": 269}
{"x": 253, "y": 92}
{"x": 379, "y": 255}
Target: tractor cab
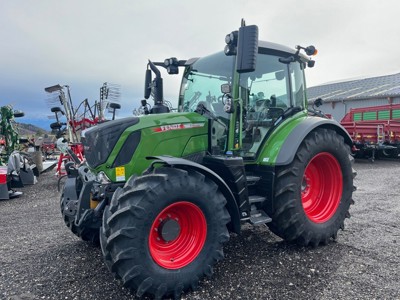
{"x": 266, "y": 95}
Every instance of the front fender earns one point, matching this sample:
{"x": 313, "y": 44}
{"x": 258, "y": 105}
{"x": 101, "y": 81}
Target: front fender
{"x": 231, "y": 204}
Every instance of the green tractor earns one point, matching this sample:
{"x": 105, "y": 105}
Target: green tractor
{"x": 162, "y": 191}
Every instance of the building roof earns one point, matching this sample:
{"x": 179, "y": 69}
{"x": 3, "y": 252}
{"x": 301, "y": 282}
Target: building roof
{"x": 366, "y": 88}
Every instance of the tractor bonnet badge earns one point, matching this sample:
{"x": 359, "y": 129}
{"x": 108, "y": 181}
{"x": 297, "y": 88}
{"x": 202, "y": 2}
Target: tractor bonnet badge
{"x": 177, "y": 127}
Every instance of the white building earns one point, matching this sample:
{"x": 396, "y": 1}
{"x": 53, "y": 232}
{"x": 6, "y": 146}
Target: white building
{"x": 340, "y": 97}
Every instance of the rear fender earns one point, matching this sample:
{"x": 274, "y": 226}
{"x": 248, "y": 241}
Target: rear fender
{"x": 297, "y": 135}
{"x": 231, "y": 204}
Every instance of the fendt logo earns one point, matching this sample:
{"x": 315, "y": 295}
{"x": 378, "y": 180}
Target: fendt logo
{"x": 177, "y": 127}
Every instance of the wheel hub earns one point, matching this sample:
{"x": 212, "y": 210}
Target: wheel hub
{"x": 177, "y": 235}
{"x": 169, "y": 229}
{"x": 321, "y": 187}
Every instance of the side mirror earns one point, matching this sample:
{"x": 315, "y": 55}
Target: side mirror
{"x": 318, "y": 102}
{"x": 147, "y": 84}
{"x": 247, "y": 48}
{"x": 156, "y": 87}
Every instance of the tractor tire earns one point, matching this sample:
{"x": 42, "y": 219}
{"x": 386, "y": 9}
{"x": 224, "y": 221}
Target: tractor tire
{"x": 87, "y": 234}
{"x": 103, "y": 238}
{"x": 164, "y": 231}
{"x": 313, "y": 194}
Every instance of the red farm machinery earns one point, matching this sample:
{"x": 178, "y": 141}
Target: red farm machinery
{"x": 78, "y": 118}
{"x": 375, "y": 131}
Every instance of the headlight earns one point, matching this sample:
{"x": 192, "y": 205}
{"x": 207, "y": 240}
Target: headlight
{"x": 102, "y": 178}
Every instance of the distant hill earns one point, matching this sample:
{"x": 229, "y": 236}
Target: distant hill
{"x": 41, "y": 123}
{"x": 27, "y": 130}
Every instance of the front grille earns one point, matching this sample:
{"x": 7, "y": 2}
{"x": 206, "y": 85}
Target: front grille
{"x": 100, "y": 140}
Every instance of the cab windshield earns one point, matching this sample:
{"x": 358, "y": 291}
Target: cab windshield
{"x": 266, "y": 94}
{"x": 201, "y": 84}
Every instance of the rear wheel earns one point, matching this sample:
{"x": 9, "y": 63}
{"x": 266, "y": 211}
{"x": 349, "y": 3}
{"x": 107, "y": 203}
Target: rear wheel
{"x": 164, "y": 231}
{"x": 313, "y": 194}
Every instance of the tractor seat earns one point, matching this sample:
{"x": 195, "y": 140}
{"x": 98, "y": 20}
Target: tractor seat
{"x": 56, "y": 125}
{"x": 55, "y": 109}
{"x": 274, "y": 112}
{"x": 114, "y": 105}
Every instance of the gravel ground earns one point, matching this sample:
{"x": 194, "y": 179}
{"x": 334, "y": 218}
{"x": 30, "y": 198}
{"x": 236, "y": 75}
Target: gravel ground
{"x": 41, "y": 259}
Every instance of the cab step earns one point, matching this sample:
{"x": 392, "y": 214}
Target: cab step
{"x": 259, "y": 217}
{"x": 256, "y": 199}
{"x": 252, "y": 180}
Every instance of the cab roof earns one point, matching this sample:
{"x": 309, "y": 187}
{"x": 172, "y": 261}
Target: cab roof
{"x": 281, "y": 48}
{"x": 266, "y": 45}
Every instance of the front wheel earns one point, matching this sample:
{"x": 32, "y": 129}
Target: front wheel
{"x": 164, "y": 231}
{"x": 314, "y": 193}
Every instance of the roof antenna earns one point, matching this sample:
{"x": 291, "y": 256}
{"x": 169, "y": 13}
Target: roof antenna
{"x": 243, "y": 22}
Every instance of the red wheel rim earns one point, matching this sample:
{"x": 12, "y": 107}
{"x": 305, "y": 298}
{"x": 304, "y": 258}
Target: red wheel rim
{"x": 322, "y": 187}
{"x": 177, "y": 235}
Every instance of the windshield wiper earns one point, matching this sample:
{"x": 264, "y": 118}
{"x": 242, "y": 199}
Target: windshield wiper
{"x": 222, "y": 78}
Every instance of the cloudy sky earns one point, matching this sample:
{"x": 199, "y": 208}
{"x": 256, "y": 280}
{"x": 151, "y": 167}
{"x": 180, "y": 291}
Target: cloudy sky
{"x": 86, "y": 43}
